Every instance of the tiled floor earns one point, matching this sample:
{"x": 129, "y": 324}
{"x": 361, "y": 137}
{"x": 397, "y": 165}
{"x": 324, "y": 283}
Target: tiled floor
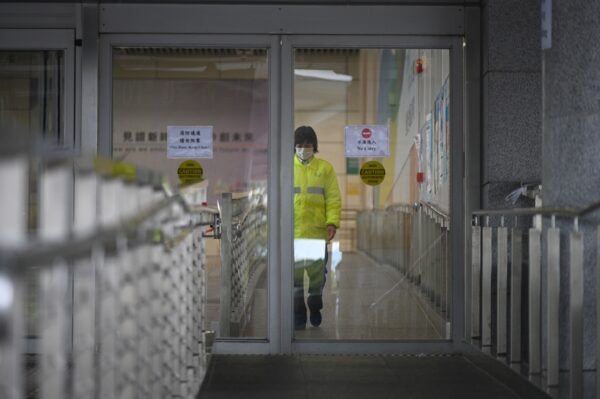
{"x": 365, "y": 300}
{"x": 370, "y": 377}
{"x": 362, "y": 300}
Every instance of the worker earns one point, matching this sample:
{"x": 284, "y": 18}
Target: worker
{"x": 317, "y": 211}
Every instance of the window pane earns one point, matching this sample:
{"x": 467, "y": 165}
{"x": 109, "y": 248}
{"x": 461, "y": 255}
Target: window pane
{"x": 31, "y": 95}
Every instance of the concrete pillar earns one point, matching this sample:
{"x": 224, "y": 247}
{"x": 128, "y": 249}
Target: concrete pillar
{"x": 511, "y": 68}
{"x": 571, "y": 145}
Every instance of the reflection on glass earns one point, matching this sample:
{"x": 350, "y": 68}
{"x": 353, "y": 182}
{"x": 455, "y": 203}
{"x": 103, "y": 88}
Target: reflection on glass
{"x": 32, "y": 95}
{"x": 393, "y": 281}
{"x": 310, "y": 257}
{"x": 227, "y": 89}
{"x": 308, "y": 251}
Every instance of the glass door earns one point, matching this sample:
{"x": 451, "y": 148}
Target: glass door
{"x": 179, "y": 105}
{"x": 371, "y": 133}
{"x": 340, "y": 150}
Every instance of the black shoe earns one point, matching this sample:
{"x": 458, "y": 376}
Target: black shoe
{"x": 315, "y": 318}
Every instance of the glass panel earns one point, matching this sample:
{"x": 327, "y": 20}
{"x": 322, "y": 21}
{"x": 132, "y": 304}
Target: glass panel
{"x": 218, "y": 97}
{"x": 381, "y": 121}
{"x": 31, "y": 96}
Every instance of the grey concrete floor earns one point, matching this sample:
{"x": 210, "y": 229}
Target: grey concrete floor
{"x": 371, "y": 377}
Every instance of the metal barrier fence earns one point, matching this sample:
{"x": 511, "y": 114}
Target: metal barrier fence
{"x": 243, "y": 258}
{"x": 106, "y": 299}
{"x": 413, "y": 240}
{"x": 514, "y": 257}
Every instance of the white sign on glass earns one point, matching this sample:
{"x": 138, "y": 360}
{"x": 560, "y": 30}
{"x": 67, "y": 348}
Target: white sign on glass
{"x": 367, "y": 141}
{"x": 190, "y": 142}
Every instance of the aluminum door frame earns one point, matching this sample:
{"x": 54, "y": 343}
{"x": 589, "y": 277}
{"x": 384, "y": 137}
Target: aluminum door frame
{"x": 455, "y": 45}
{"x": 245, "y": 345}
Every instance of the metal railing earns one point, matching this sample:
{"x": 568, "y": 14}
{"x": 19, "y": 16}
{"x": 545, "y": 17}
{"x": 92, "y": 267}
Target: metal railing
{"x": 414, "y": 241}
{"x": 243, "y": 257}
{"x": 106, "y": 299}
{"x": 512, "y": 248}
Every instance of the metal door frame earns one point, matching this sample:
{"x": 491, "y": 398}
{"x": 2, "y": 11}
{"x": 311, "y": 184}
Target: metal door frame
{"x": 455, "y": 46}
{"x": 279, "y": 28}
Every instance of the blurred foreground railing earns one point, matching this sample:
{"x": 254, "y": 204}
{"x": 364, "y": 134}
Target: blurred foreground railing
{"x": 510, "y": 247}
{"x": 414, "y": 241}
{"x": 243, "y": 258}
{"x": 106, "y": 298}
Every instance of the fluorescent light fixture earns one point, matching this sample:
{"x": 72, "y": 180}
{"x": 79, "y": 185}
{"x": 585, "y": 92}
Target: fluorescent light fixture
{"x": 322, "y": 74}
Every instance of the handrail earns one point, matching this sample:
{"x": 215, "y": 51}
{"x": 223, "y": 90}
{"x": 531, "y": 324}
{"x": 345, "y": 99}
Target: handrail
{"x": 561, "y": 212}
{"x": 108, "y": 237}
{"x": 394, "y": 207}
{"x": 435, "y": 209}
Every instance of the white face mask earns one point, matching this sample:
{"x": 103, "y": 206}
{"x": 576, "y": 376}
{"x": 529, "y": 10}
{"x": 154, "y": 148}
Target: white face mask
{"x": 304, "y": 153}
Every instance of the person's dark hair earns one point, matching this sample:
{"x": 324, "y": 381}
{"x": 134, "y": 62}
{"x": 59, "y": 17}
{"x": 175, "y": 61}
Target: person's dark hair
{"x": 306, "y": 134}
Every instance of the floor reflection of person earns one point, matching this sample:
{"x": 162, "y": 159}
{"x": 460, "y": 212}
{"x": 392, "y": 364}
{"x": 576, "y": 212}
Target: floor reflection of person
{"x": 317, "y": 210}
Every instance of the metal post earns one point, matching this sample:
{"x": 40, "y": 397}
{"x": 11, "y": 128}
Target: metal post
{"x": 56, "y": 209}
{"x": 553, "y": 303}
{"x": 11, "y": 336}
{"x": 501, "y": 293}
{"x": 576, "y": 311}
{"x": 486, "y": 288}
{"x": 53, "y": 331}
{"x": 534, "y": 301}
{"x": 13, "y": 233}
{"x": 84, "y": 290}
{"x": 226, "y": 266}
{"x": 13, "y": 220}
{"x": 515, "y": 294}
{"x": 475, "y": 281}
{"x": 598, "y": 311}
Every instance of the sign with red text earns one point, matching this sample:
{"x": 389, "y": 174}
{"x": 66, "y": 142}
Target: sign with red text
{"x": 367, "y": 141}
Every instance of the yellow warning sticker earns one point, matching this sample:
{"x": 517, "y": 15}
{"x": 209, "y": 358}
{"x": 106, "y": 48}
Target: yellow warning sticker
{"x": 190, "y": 171}
{"x": 372, "y": 173}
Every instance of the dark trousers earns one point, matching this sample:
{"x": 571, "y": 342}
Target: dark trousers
{"x": 316, "y": 281}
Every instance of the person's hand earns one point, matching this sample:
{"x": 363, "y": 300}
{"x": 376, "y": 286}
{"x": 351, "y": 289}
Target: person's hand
{"x": 330, "y": 232}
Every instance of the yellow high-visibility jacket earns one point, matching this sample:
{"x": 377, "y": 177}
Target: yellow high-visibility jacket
{"x": 317, "y": 200}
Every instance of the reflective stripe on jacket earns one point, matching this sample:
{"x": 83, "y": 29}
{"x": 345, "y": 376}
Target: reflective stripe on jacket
{"x": 317, "y": 200}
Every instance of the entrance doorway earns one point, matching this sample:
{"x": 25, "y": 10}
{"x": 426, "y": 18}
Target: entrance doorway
{"x": 390, "y": 282}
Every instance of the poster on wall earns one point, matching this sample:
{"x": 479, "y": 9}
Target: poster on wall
{"x": 428, "y": 132}
{"x": 408, "y": 116}
{"x": 440, "y": 159}
{"x": 367, "y": 141}
{"x": 189, "y": 142}
{"x": 442, "y": 112}
{"x": 446, "y": 134}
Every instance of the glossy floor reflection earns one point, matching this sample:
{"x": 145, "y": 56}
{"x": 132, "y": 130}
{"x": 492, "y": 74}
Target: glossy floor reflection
{"x": 365, "y": 300}
{"x": 362, "y": 300}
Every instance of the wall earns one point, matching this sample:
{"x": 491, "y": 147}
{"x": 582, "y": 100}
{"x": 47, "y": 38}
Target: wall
{"x": 571, "y": 144}
{"x": 421, "y": 115}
